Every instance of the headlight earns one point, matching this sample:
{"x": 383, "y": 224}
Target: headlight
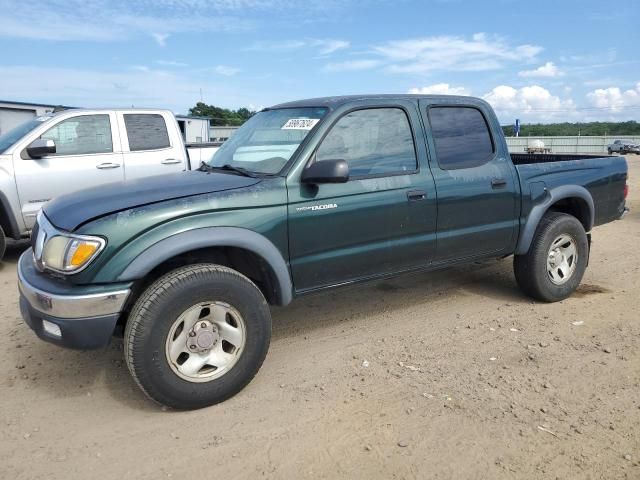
{"x": 60, "y": 251}
{"x": 70, "y": 254}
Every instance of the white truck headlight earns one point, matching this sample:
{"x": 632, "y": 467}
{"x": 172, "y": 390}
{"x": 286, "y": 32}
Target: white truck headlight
{"x": 69, "y": 254}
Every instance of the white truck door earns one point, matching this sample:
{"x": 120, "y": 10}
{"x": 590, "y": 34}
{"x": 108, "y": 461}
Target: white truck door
{"x": 87, "y": 154}
{"x": 152, "y": 144}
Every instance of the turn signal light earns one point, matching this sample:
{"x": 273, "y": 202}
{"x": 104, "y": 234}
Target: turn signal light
{"x": 83, "y": 252}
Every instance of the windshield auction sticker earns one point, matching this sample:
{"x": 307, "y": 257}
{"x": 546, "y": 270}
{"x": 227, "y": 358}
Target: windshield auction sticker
{"x": 300, "y": 124}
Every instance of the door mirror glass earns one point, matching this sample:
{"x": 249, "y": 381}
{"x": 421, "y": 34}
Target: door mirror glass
{"x": 41, "y": 147}
{"x": 326, "y": 171}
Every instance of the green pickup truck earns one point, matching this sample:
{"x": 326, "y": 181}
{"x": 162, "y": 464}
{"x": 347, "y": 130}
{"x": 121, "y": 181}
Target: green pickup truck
{"x": 306, "y": 196}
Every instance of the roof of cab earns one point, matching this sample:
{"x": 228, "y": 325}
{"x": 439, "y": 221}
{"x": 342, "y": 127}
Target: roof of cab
{"x": 334, "y": 102}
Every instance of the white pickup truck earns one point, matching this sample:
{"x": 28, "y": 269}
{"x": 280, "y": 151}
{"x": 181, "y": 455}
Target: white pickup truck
{"x": 75, "y": 149}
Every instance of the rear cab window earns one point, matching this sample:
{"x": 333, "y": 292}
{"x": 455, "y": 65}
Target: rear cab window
{"x": 461, "y": 136}
{"x": 146, "y": 131}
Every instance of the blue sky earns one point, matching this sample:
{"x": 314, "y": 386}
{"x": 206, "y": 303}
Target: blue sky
{"x": 562, "y": 60}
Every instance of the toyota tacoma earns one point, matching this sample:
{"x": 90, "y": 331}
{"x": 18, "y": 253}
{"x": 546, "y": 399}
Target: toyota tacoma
{"x": 306, "y": 196}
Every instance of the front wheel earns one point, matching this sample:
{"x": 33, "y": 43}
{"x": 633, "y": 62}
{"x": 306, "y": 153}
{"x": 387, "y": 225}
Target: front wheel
{"x": 554, "y": 265}
{"x": 197, "y": 336}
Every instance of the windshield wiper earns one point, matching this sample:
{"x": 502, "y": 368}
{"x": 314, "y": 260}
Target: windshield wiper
{"x": 205, "y": 167}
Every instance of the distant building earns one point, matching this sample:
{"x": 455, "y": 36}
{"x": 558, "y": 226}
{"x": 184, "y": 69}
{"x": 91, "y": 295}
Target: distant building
{"x": 194, "y": 129}
{"x": 221, "y": 134}
{"x": 13, "y": 114}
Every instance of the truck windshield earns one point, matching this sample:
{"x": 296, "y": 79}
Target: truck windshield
{"x": 15, "y": 134}
{"x": 266, "y": 142}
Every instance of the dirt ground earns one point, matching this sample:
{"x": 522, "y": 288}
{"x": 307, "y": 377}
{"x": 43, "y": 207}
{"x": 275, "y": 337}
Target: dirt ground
{"x": 452, "y": 374}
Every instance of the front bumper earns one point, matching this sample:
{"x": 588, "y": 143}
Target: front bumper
{"x": 72, "y": 316}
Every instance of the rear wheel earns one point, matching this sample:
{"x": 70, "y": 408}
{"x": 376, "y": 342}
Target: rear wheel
{"x": 554, "y": 265}
{"x": 197, "y": 336}
{"x": 3, "y": 243}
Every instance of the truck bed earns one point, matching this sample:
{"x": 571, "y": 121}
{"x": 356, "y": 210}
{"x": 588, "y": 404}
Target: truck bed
{"x": 603, "y": 176}
{"x": 528, "y": 158}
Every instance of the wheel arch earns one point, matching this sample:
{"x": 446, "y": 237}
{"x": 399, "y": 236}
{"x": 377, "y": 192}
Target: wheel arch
{"x": 574, "y": 200}
{"x": 7, "y": 220}
{"x": 248, "y": 252}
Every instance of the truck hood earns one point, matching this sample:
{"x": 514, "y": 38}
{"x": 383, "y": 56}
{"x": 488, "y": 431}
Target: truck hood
{"x": 70, "y": 211}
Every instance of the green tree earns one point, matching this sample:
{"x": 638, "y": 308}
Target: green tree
{"x": 221, "y": 116}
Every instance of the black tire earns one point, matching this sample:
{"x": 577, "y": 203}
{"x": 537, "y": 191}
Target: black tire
{"x": 609, "y": 151}
{"x": 3, "y": 243}
{"x": 159, "y": 307}
{"x": 531, "y": 268}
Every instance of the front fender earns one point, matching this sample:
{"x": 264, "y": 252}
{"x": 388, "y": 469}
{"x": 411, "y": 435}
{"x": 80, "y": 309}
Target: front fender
{"x": 212, "y": 237}
{"x": 10, "y": 211}
{"x": 537, "y": 212}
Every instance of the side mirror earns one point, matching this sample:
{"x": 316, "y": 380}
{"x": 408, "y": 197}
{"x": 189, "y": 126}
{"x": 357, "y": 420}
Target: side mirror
{"x": 326, "y": 171}
{"x": 41, "y": 147}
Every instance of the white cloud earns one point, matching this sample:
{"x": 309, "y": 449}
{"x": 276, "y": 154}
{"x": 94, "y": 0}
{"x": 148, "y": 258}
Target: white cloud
{"x": 160, "y": 38}
{"x": 453, "y": 53}
{"x": 547, "y": 70}
{"x": 114, "y": 20}
{"x": 276, "y": 46}
{"x": 440, "y": 89}
{"x": 171, "y": 63}
{"x": 532, "y": 103}
{"x": 226, "y": 70}
{"x": 351, "y": 66}
{"x": 146, "y": 87}
{"x": 615, "y": 99}
{"x": 325, "y": 46}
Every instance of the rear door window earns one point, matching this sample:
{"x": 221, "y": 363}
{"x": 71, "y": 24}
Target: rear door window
{"x": 146, "y": 131}
{"x": 461, "y": 136}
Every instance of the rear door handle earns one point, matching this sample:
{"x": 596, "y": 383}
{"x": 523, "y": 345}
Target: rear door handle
{"x": 107, "y": 165}
{"x": 414, "y": 195}
{"x": 498, "y": 182}
{"x": 171, "y": 161}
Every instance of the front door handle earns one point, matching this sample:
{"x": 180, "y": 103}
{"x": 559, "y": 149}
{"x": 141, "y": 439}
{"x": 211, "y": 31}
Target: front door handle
{"x": 498, "y": 182}
{"x": 107, "y": 165}
{"x": 414, "y": 195}
{"x": 170, "y": 161}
